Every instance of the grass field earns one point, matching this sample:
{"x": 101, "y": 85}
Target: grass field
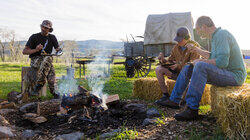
{"x": 10, "y": 79}
{"x": 117, "y": 83}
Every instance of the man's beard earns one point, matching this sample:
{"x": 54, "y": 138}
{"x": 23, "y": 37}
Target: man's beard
{"x": 203, "y": 36}
{"x": 44, "y": 32}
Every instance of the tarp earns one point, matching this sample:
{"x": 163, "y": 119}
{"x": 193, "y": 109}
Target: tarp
{"x": 162, "y": 28}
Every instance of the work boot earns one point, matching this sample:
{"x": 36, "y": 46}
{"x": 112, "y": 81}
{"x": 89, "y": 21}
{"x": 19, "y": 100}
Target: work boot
{"x": 187, "y": 114}
{"x": 36, "y": 90}
{"x": 56, "y": 96}
{"x": 170, "y": 104}
{"x": 164, "y": 97}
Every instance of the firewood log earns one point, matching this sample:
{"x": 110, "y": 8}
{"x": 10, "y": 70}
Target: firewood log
{"x": 48, "y": 107}
{"x": 112, "y": 99}
{"x": 34, "y": 118}
{"x": 7, "y": 105}
{"x": 83, "y": 90}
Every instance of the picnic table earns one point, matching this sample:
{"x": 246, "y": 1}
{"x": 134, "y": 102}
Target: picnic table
{"x": 82, "y": 64}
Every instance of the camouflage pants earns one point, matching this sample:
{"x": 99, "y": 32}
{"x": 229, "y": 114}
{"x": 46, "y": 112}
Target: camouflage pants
{"x": 45, "y": 70}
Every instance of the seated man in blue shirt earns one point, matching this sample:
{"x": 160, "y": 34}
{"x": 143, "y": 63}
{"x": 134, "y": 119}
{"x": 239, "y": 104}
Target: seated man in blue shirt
{"x": 223, "y": 66}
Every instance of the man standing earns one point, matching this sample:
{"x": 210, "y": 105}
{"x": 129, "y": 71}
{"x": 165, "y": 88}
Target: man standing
{"x": 38, "y": 44}
{"x": 224, "y": 66}
{"x": 178, "y": 58}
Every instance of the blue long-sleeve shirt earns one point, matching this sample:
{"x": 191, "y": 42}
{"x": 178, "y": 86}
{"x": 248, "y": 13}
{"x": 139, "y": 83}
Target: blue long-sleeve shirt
{"x": 227, "y": 54}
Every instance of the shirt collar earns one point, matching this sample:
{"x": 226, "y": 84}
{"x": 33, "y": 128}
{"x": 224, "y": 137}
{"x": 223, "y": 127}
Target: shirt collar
{"x": 183, "y": 48}
{"x": 217, "y": 29}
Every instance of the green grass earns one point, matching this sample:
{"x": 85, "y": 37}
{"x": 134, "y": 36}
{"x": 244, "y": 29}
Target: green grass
{"x": 195, "y": 135}
{"x": 205, "y": 109}
{"x": 125, "y": 134}
{"x": 248, "y": 76}
{"x": 117, "y": 83}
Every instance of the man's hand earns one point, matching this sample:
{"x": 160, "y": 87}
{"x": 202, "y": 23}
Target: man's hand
{"x": 160, "y": 56}
{"x": 58, "y": 49}
{"x": 173, "y": 67}
{"x": 39, "y": 47}
{"x": 198, "y": 60}
{"x": 191, "y": 47}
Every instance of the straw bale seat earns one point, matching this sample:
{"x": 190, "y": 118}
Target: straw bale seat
{"x": 231, "y": 107}
{"x": 149, "y": 89}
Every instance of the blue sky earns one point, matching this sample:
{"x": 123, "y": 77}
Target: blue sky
{"x": 113, "y": 19}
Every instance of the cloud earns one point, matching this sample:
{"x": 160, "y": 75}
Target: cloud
{"x": 113, "y": 19}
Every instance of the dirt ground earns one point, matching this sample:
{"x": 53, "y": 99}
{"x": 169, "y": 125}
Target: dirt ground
{"x": 117, "y": 118}
{"x": 205, "y": 127}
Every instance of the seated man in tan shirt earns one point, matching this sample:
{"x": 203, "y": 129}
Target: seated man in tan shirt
{"x": 179, "y": 57}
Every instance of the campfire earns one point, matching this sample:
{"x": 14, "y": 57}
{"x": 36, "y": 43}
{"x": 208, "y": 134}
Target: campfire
{"x": 82, "y": 112}
{"x": 77, "y": 112}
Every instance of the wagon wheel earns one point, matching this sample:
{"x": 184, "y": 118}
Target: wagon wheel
{"x": 142, "y": 66}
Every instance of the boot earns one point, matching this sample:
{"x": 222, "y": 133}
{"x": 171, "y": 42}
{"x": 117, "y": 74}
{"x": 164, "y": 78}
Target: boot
{"x": 187, "y": 114}
{"x": 163, "y": 98}
{"x": 36, "y": 90}
{"x": 56, "y": 96}
{"x": 170, "y": 104}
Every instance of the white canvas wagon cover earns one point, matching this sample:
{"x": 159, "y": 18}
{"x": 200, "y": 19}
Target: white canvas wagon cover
{"x": 162, "y": 28}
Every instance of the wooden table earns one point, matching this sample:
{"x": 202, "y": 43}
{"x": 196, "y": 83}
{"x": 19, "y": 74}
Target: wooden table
{"x": 82, "y": 64}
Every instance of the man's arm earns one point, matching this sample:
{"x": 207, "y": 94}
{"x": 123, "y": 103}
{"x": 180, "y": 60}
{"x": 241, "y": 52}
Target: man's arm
{"x": 55, "y": 43}
{"x": 205, "y": 54}
{"x": 27, "y": 50}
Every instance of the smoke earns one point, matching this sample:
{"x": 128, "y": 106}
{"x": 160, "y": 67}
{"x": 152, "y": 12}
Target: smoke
{"x": 68, "y": 85}
{"x": 99, "y": 74}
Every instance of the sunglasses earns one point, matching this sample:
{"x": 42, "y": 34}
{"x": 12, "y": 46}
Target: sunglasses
{"x": 46, "y": 28}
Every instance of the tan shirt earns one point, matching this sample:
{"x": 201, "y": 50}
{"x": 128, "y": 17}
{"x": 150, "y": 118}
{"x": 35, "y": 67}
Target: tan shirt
{"x": 182, "y": 57}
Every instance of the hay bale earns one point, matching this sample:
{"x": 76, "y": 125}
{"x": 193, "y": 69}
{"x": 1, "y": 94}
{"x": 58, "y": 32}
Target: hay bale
{"x": 231, "y": 106}
{"x": 149, "y": 89}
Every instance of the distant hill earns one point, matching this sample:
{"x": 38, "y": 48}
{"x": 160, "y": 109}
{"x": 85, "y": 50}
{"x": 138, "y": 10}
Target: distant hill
{"x": 94, "y": 44}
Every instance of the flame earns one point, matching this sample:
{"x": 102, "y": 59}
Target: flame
{"x": 93, "y": 102}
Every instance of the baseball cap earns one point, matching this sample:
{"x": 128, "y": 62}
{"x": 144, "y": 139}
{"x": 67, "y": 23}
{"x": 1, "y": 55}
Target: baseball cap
{"x": 47, "y": 23}
{"x": 182, "y": 33}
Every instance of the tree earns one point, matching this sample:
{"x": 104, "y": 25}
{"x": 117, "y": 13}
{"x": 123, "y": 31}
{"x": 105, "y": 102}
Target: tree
{"x": 15, "y": 48}
{"x": 6, "y": 36}
{"x": 69, "y": 49}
